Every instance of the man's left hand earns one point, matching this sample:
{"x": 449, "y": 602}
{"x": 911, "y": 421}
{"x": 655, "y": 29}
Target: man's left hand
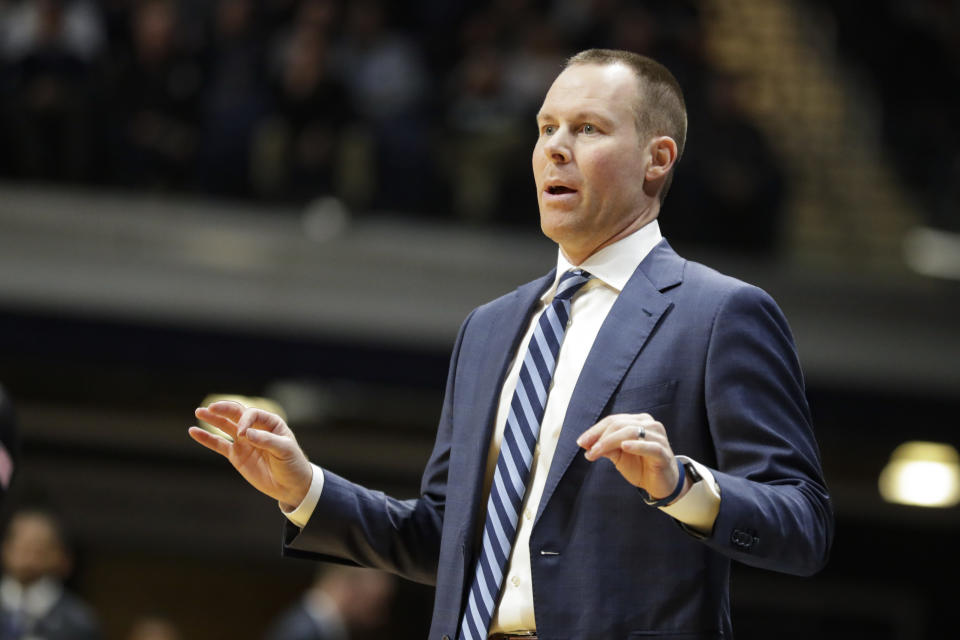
{"x": 648, "y": 462}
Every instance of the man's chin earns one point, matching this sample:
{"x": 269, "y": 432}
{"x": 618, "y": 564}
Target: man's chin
{"x": 559, "y": 227}
{"x": 570, "y": 238}
{"x": 552, "y": 231}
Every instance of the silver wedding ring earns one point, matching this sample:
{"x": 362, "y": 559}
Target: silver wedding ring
{"x": 641, "y": 433}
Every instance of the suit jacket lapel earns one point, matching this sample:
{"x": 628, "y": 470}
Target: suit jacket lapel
{"x": 632, "y": 319}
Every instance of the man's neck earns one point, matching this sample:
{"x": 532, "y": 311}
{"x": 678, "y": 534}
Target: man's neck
{"x": 647, "y": 216}
{"x": 577, "y": 258}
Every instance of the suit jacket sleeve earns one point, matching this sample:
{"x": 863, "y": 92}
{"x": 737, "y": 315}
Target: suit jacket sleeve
{"x": 355, "y": 525}
{"x": 775, "y": 510}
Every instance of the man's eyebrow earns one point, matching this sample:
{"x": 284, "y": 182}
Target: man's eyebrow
{"x": 580, "y": 116}
{"x": 592, "y": 116}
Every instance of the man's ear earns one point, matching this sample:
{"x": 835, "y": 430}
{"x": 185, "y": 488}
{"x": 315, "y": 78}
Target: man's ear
{"x": 663, "y": 155}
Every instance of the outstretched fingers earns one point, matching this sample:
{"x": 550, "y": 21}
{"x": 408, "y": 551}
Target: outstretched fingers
{"x": 224, "y": 415}
{"x": 210, "y": 440}
{"x": 236, "y": 419}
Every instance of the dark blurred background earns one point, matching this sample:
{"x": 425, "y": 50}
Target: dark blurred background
{"x": 301, "y": 200}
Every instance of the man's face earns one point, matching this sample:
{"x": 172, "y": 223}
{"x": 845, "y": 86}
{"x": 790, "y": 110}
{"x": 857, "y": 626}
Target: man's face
{"x": 32, "y": 550}
{"x": 589, "y": 162}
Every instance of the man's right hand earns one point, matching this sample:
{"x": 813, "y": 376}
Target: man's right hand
{"x": 264, "y": 450}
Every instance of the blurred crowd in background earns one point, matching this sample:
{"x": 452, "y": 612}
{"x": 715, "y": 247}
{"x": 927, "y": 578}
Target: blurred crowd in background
{"x": 425, "y": 107}
{"x": 37, "y": 602}
{"x": 909, "y": 53}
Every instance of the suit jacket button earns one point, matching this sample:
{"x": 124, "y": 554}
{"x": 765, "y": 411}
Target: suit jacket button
{"x": 743, "y": 539}
{"x": 445, "y": 637}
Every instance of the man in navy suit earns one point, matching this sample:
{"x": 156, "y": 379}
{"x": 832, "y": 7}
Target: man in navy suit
{"x": 661, "y": 357}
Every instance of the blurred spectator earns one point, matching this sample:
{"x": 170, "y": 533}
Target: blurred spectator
{"x": 486, "y": 141}
{"x": 388, "y": 85}
{"x": 298, "y": 145}
{"x": 73, "y": 26}
{"x": 47, "y": 49}
{"x": 154, "y": 627}
{"x": 154, "y": 95}
{"x": 382, "y": 67}
{"x": 33, "y": 600}
{"x": 342, "y": 603}
{"x": 234, "y": 99}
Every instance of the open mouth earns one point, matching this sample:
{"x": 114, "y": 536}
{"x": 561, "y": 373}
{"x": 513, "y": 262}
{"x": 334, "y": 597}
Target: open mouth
{"x": 557, "y": 190}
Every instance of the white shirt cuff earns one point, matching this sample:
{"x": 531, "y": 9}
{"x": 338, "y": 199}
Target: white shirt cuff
{"x": 304, "y": 510}
{"x": 699, "y": 508}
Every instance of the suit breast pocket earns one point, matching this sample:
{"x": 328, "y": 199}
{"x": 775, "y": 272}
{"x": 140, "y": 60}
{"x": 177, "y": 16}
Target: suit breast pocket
{"x": 643, "y": 399}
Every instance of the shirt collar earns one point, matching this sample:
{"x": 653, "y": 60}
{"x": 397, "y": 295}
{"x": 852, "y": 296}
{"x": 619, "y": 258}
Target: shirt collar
{"x": 35, "y": 600}
{"x": 614, "y": 264}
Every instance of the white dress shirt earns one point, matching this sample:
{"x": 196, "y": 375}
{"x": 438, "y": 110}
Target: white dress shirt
{"x": 29, "y": 604}
{"x": 612, "y": 267}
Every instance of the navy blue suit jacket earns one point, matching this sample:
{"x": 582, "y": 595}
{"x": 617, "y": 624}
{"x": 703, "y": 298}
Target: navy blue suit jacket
{"x": 712, "y": 359}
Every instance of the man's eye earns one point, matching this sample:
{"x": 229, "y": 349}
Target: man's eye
{"x": 549, "y": 129}
{"x": 589, "y": 128}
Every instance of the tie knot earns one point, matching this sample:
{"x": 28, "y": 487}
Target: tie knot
{"x": 570, "y": 283}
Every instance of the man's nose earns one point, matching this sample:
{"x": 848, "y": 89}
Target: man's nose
{"x": 557, "y": 147}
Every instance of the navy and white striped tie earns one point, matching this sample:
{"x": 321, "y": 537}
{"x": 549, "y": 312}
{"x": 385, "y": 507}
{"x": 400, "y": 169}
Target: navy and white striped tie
{"x": 516, "y": 454}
